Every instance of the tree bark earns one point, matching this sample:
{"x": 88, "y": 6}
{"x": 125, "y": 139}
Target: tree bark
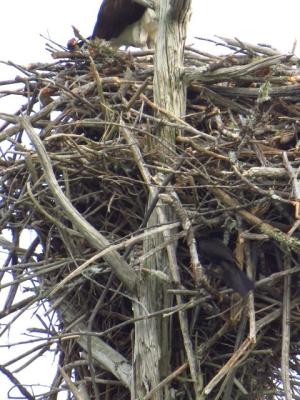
{"x": 152, "y": 348}
{"x": 169, "y": 86}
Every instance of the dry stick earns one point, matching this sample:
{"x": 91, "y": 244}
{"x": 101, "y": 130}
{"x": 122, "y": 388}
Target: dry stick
{"x": 173, "y": 117}
{"x": 187, "y": 128}
{"x": 94, "y": 313}
{"x": 28, "y": 352}
{"x": 28, "y": 277}
{"x": 227, "y": 385}
{"x": 203, "y": 55}
{"x": 265, "y": 172}
{"x": 251, "y": 303}
{"x": 269, "y": 194}
{"x": 198, "y": 270}
{"x": 221, "y": 100}
{"x": 82, "y": 387}
{"x": 271, "y": 316}
{"x": 55, "y": 221}
{"x": 275, "y": 91}
{"x": 76, "y": 94}
{"x": 10, "y": 299}
{"x": 59, "y": 300}
{"x": 71, "y": 385}
{"x": 103, "y": 106}
{"x": 167, "y": 380}
{"x": 264, "y": 227}
{"x": 129, "y": 136}
{"x": 33, "y": 299}
{"x": 201, "y": 149}
{"x": 17, "y": 384}
{"x": 160, "y": 190}
{"x": 175, "y": 237}
{"x": 255, "y": 48}
{"x": 36, "y": 117}
{"x": 109, "y": 359}
{"x": 286, "y": 332}
{"x": 227, "y": 367}
{"x": 113, "y": 247}
{"x": 113, "y": 258}
{"x": 164, "y": 312}
{"x": 44, "y": 113}
{"x": 293, "y": 175}
{"x": 33, "y": 358}
{"x": 213, "y": 339}
{"x": 234, "y": 72}
{"x": 18, "y": 306}
{"x": 8, "y": 245}
{"x": 296, "y": 185}
{"x": 137, "y": 94}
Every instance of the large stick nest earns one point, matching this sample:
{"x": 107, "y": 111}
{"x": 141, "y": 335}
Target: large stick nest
{"x": 235, "y": 172}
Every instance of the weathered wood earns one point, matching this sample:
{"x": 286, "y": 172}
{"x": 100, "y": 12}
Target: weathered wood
{"x": 239, "y": 144}
{"x": 115, "y": 261}
{"x": 169, "y": 87}
{"x": 152, "y": 350}
{"x": 103, "y": 354}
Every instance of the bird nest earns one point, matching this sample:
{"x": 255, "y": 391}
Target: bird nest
{"x": 232, "y": 176}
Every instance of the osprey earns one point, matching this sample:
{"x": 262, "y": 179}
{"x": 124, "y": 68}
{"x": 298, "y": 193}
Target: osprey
{"x": 125, "y": 22}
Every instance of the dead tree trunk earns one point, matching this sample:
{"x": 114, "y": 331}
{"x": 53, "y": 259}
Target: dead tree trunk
{"x": 152, "y": 350}
{"x": 169, "y": 87}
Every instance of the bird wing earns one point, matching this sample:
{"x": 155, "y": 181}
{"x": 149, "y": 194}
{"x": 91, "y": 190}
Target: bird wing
{"x": 219, "y": 254}
{"x": 114, "y": 16}
{"x": 235, "y": 278}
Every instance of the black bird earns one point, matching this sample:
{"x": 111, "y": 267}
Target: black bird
{"x": 220, "y": 255}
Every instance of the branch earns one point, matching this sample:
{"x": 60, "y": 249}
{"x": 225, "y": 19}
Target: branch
{"x": 233, "y": 72}
{"x": 286, "y": 331}
{"x": 169, "y": 90}
{"x": 274, "y": 233}
{"x": 103, "y": 354}
{"x": 15, "y": 381}
{"x": 173, "y": 18}
{"x": 113, "y": 258}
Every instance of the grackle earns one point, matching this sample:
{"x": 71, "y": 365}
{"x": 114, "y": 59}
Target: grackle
{"x": 220, "y": 255}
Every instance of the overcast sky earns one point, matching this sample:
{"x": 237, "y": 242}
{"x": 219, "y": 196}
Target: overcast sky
{"x": 22, "y": 23}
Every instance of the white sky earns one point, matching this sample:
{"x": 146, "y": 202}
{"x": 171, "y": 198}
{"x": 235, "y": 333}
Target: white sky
{"x": 22, "y": 22}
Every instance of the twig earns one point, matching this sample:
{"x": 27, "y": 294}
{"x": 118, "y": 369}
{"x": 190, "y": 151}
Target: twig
{"x": 286, "y": 332}
{"x": 228, "y": 366}
{"x": 71, "y": 385}
{"x": 16, "y": 383}
{"x": 119, "y": 266}
{"x": 166, "y": 381}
